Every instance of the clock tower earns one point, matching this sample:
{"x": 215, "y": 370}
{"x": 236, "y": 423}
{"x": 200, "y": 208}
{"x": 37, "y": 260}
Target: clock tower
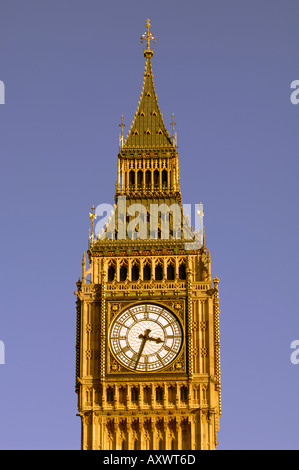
{"x": 147, "y": 335}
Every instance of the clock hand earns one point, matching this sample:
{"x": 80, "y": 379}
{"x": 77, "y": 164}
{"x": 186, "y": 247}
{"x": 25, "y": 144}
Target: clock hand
{"x": 144, "y": 339}
{"x": 158, "y": 340}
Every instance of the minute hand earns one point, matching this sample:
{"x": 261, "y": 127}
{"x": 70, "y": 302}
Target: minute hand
{"x": 144, "y": 338}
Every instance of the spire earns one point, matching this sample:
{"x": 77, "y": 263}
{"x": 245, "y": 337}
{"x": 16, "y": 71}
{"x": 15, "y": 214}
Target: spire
{"x": 148, "y": 130}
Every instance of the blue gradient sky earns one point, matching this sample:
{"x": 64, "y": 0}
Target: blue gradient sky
{"x": 70, "y": 69}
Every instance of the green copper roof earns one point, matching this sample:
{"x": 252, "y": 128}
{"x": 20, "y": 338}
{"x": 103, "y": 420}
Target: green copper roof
{"x": 148, "y": 129}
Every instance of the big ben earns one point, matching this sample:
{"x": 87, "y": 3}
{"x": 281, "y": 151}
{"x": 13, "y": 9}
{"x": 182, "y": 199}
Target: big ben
{"x": 147, "y": 332}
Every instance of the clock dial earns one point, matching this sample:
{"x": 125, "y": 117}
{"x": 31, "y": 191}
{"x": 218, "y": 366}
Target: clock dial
{"x": 145, "y": 337}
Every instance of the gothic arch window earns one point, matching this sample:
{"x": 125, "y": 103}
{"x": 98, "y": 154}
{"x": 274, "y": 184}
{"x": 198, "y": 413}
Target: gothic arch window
{"x": 170, "y": 270}
{"x": 148, "y": 179}
{"x": 156, "y": 178}
{"x": 139, "y": 179}
{"x": 135, "y": 271}
{"x": 132, "y": 179}
{"x": 159, "y": 271}
{"x": 111, "y": 271}
{"x": 182, "y": 270}
{"x": 164, "y": 179}
{"x": 123, "y": 272}
{"x": 147, "y": 272}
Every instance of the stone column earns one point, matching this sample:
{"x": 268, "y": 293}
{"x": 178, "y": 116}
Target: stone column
{"x": 167, "y": 434}
{"x": 155, "y": 434}
{"x": 129, "y": 434}
{"x": 142, "y": 434}
{"x": 117, "y": 434}
{"x": 180, "y": 432}
{"x": 140, "y": 396}
{"x": 193, "y": 436}
{"x": 104, "y": 396}
{"x": 153, "y": 396}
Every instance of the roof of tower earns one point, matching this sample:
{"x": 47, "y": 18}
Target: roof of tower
{"x": 148, "y": 129}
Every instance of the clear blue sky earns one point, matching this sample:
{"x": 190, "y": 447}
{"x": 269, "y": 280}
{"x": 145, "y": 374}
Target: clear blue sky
{"x": 70, "y": 69}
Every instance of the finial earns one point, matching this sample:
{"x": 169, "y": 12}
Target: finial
{"x": 174, "y": 135}
{"x": 92, "y": 216}
{"x": 216, "y": 282}
{"x": 200, "y": 213}
{"x": 121, "y": 135}
{"x": 148, "y": 36}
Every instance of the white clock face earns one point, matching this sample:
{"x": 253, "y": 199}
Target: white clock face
{"x": 145, "y": 337}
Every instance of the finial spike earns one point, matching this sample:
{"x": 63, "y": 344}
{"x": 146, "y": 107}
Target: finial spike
{"x": 148, "y": 36}
{"x": 174, "y": 135}
{"x": 92, "y": 216}
{"x": 121, "y": 135}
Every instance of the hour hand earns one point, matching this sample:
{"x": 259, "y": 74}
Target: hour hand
{"x": 157, "y": 340}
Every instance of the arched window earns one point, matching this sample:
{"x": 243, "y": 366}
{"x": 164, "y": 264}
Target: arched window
{"x": 164, "y": 179}
{"x": 159, "y": 272}
{"x": 111, "y": 272}
{"x": 170, "y": 271}
{"x": 148, "y": 179}
{"x": 147, "y": 272}
{"x": 182, "y": 271}
{"x": 156, "y": 178}
{"x": 135, "y": 272}
{"x": 132, "y": 179}
{"x": 139, "y": 179}
{"x": 123, "y": 272}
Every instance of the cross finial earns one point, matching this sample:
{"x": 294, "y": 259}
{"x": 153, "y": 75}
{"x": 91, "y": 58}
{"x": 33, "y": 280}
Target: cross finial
{"x": 173, "y": 124}
{"x": 121, "y": 135}
{"x": 122, "y": 125}
{"x": 148, "y": 36}
{"x": 174, "y": 135}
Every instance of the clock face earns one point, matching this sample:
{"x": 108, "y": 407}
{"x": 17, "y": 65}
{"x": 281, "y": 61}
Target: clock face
{"x": 145, "y": 337}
